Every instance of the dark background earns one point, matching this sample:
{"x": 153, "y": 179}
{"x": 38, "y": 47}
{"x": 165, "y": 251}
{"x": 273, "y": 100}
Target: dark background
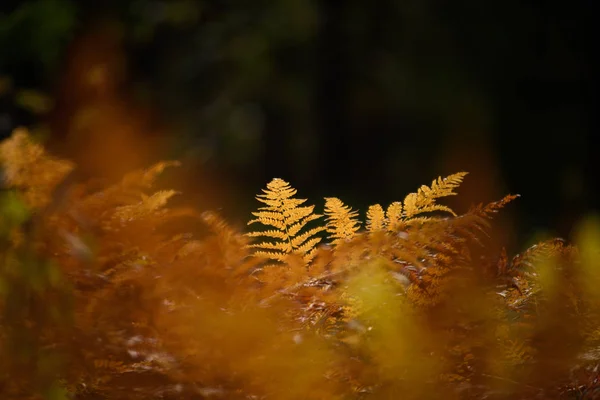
{"x": 362, "y": 100}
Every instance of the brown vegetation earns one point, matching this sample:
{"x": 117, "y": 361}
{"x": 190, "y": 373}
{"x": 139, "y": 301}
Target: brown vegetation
{"x": 98, "y": 300}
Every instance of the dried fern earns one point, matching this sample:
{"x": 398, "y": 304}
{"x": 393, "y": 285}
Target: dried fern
{"x": 128, "y": 192}
{"x": 399, "y": 214}
{"x": 284, "y": 213}
{"x": 394, "y": 215}
{"x": 147, "y": 206}
{"x": 342, "y": 222}
{"x": 424, "y": 200}
{"x": 376, "y": 219}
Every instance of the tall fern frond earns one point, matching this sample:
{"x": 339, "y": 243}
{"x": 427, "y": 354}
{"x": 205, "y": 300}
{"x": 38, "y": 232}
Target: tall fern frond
{"x": 376, "y": 218}
{"x": 285, "y": 214}
{"x": 424, "y": 200}
{"x": 342, "y": 223}
{"x": 394, "y": 215}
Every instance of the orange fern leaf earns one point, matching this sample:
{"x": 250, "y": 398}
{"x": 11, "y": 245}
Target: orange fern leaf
{"x": 146, "y": 178}
{"x": 424, "y": 200}
{"x": 376, "y": 218}
{"x": 284, "y": 213}
{"x": 341, "y": 220}
{"x": 394, "y": 215}
{"x": 147, "y": 206}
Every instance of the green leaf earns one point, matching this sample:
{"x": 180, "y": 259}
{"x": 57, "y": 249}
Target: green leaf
{"x": 13, "y": 212}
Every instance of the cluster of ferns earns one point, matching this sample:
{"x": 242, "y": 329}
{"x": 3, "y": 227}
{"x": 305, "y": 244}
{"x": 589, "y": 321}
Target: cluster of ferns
{"x": 352, "y": 309}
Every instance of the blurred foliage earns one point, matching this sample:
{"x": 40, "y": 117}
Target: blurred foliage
{"x": 35, "y": 308}
{"x": 41, "y": 28}
{"x": 105, "y": 294}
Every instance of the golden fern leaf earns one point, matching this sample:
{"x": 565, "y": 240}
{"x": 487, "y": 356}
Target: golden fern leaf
{"x": 341, "y": 220}
{"x": 424, "y": 200}
{"x": 285, "y": 214}
{"x": 394, "y": 215}
{"x": 376, "y": 218}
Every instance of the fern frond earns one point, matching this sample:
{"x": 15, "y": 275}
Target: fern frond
{"x": 536, "y": 255}
{"x": 376, "y": 218}
{"x": 394, "y": 215}
{"x": 222, "y": 230}
{"x": 476, "y": 221}
{"x": 424, "y": 200}
{"x": 285, "y": 214}
{"x": 145, "y": 178}
{"x": 495, "y": 206}
{"x": 126, "y": 192}
{"x": 342, "y": 223}
{"x": 147, "y": 206}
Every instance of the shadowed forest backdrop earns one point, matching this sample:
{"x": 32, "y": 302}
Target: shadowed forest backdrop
{"x": 330, "y": 95}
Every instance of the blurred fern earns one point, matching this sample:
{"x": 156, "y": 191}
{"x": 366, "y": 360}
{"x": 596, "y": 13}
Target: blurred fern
{"x": 405, "y": 307}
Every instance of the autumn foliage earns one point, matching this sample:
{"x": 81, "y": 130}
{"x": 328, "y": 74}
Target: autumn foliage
{"x": 99, "y": 300}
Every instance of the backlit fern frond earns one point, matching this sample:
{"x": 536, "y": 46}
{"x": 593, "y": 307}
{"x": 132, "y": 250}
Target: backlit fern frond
{"x": 376, "y": 218}
{"x": 285, "y": 214}
{"x": 424, "y": 200}
{"x": 342, "y": 223}
{"x": 394, "y": 215}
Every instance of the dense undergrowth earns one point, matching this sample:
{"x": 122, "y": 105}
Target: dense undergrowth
{"x": 99, "y": 301}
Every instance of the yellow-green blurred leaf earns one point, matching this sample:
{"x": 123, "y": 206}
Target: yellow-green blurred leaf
{"x": 34, "y": 101}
